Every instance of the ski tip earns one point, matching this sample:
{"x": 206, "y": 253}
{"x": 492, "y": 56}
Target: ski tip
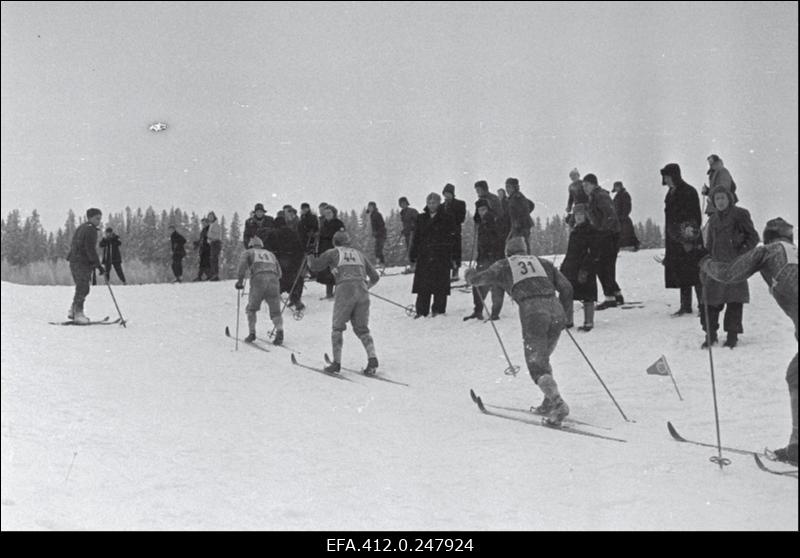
{"x": 474, "y": 397}
{"x": 327, "y": 359}
{"x": 294, "y": 359}
{"x": 227, "y": 331}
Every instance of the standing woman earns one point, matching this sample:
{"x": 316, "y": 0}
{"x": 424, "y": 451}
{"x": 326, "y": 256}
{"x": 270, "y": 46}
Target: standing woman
{"x": 330, "y": 225}
{"x": 215, "y": 242}
{"x": 730, "y": 234}
{"x": 433, "y": 252}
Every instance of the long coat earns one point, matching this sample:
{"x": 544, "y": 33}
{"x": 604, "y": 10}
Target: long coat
{"x": 583, "y": 255}
{"x": 326, "y": 232}
{"x": 433, "y": 250}
{"x": 681, "y": 208}
{"x": 110, "y": 246}
{"x": 285, "y": 244}
{"x": 622, "y": 207}
{"x": 730, "y": 234}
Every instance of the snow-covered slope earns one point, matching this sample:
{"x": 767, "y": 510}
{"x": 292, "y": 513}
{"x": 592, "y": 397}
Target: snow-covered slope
{"x": 164, "y": 426}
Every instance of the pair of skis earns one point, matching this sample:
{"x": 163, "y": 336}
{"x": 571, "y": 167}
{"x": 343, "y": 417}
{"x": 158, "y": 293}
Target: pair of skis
{"x": 104, "y": 321}
{"x": 339, "y": 376}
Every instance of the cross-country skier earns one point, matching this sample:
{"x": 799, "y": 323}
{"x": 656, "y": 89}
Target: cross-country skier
{"x": 776, "y": 259}
{"x": 83, "y": 260}
{"x": 351, "y": 300}
{"x": 532, "y": 283}
{"x": 265, "y": 274}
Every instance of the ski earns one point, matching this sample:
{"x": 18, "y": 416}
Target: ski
{"x": 320, "y": 370}
{"x": 679, "y": 438}
{"x": 104, "y": 321}
{"x": 787, "y": 473}
{"x": 563, "y": 428}
{"x": 631, "y": 306}
{"x": 253, "y": 345}
{"x": 533, "y": 412}
{"x": 282, "y": 346}
{"x": 354, "y": 371}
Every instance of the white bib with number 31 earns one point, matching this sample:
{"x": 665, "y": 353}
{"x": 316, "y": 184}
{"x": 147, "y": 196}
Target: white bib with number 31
{"x": 525, "y": 267}
{"x": 264, "y": 256}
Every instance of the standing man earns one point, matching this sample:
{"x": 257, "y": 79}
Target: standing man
{"x": 718, "y": 175}
{"x": 519, "y": 212}
{"x": 378, "y": 231}
{"x": 284, "y": 243}
{"x": 204, "y": 265}
{"x": 408, "y": 216}
{"x": 215, "y": 243}
{"x": 176, "y": 244}
{"x": 307, "y": 227}
{"x": 83, "y": 260}
{"x": 491, "y": 242}
{"x": 606, "y": 230}
{"x": 264, "y": 276}
{"x": 777, "y": 262}
{"x": 682, "y": 241}
{"x": 622, "y": 207}
{"x": 575, "y": 194}
{"x": 351, "y": 301}
{"x": 260, "y": 225}
{"x": 433, "y": 250}
{"x": 532, "y": 283}
{"x": 110, "y": 244}
{"x": 457, "y": 209}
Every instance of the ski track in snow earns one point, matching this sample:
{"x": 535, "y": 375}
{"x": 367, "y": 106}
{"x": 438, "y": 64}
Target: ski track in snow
{"x": 170, "y": 428}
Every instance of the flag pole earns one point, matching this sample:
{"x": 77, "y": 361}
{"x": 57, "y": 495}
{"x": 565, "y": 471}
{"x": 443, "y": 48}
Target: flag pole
{"x": 674, "y": 383}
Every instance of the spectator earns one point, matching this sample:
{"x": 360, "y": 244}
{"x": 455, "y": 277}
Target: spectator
{"x": 433, "y": 250}
{"x": 285, "y": 244}
{"x": 110, "y": 244}
{"x": 457, "y": 209}
{"x": 215, "y": 243}
{"x": 176, "y": 243}
{"x": 606, "y": 230}
{"x": 259, "y": 224}
{"x": 718, "y": 175}
{"x": 408, "y": 217}
{"x": 575, "y": 194}
{"x": 330, "y": 226}
{"x": 491, "y": 248}
{"x": 307, "y": 227}
{"x": 622, "y": 207}
{"x": 378, "y": 231}
{"x": 204, "y": 267}
{"x": 519, "y": 212}
{"x": 580, "y": 264}
{"x": 506, "y": 220}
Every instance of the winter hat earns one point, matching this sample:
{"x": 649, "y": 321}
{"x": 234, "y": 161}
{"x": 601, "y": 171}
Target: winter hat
{"x": 255, "y": 242}
{"x": 778, "y": 228}
{"x": 92, "y": 211}
{"x": 109, "y": 229}
{"x": 402, "y": 200}
{"x": 574, "y": 172}
{"x": 211, "y": 215}
{"x": 590, "y": 178}
{"x": 671, "y": 169}
{"x": 618, "y": 183}
{"x": 259, "y": 206}
{"x": 512, "y": 182}
{"x": 341, "y": 238}
{"x": 449, "y": 188}
{"x": 516, "y": 245}
{"x": 481, "y": 203}
{"x": 482, "y": 184}
{"x": 305, "y": 205}
{"x": 713, "y": 158}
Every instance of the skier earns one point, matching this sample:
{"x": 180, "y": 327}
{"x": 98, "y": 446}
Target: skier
{"x": 351, "y": 300}
{"x": 265, "y": 274}
{"x": 776, "y": 259}
{"x": 83, "y": 260}
{"x": 110, "y": 244}
{"x": 532, "y": 283}
{"x": 176, "y": 242}
{"x": 580, "y": 263}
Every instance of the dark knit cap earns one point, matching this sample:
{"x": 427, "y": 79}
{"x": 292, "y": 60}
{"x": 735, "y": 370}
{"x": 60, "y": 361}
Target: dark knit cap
{"x": 403, "y": 200}
{"x": 618, "y": 183}
{"x": 482, "y": 184}
{"x": 92, "y": 211}
{"x": 481, "y": 203}
{"x": 259, "y": 206}
{"x": 449, "y": 188}
{"x": 713, "y": 158}
{"x": 590, "y": 178}
{"x": 778, "y": 228}
{"x": 512, "y": 182}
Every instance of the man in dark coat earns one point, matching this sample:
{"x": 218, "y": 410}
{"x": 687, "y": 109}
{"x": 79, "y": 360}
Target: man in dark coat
{"x": 682, "y": 241}
{"x": 408, "y": 216}
{"x": 491, "y": 246}
{"x": 110, "y": 244}
{"x": 433, "y": 250}
{"x": 330, "y": 226}
{"x": 176, "y": 244}
{"x": 457, "y": 209}
{"x": 83, "y": 260}
{"x": 202, "y": 244}
{"x": 284, "y": 243}
{"x": 260, "y": 225}
{"x": 718, "y": 175}
{"x": 307, "y": 227}
{"x": 622, "y": 207}
{"x": 605, "y": 224}
{"x": 519, "y": 212}
{"x": 378, "y": 226}
{"x": 580, "y": 262}
{"x": 776, "y": 259}
{"x": 730, "y": 234}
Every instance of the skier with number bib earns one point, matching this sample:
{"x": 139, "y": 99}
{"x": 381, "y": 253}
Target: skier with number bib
{"x": 776, "y": 259}
{"x": 351, "y": 299}
{"x": 265, "y": 274}
{"x": 532, "y": 283}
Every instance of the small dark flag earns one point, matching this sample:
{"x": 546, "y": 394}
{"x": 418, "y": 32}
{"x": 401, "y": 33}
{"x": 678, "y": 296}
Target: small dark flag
{"x": 659, "y": 367}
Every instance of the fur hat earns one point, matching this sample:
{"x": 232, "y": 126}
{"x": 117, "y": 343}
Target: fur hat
{"x": 778, "y": 228}
{"x": 516, "y": 245}
{"x": 511, "y": 181}
{"x": 673, "y": 170}
{"x": 449, "y": 188}
{"x": 92, "y": 211}
{"x": 341, "y": 238}
{"x": 259, "y": 206}
{"x": 255, "y": 242}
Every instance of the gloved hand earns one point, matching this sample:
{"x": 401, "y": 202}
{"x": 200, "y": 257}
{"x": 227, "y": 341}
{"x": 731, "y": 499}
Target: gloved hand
{"x": 239, "y": 285}
{"x": 100, "y": 270}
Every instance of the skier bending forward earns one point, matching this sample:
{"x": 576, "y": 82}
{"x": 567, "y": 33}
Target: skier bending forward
{"x": 532, "y": 283}
{"x": 351, "y": 299}
{"x": 265, "y": 274}
{"x": 776, "y": 259}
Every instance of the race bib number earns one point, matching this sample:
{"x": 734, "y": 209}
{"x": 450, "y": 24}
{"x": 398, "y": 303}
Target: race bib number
{"x": 264, "y": 256}
{"x": 791, "y": 252}
{"x": 525, "y": 267}
{"x": 349, "y": 256}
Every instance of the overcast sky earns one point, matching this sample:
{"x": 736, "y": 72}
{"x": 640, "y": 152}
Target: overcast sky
{"x": 351, "y": 102}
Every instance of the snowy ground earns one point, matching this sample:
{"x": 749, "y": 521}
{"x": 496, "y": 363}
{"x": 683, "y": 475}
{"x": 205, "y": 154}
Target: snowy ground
{"x": 164, "y": 426}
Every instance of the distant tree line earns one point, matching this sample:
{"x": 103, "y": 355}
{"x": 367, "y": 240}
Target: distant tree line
{"x": 145, "y": 237}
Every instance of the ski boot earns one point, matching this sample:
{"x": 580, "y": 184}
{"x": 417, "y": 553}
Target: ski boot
{"x": 473, "y": 316}
{"x": 558, "y": 413}
{"x": 608, "y": 303}
{"x": 250, "y": 338}
{"x": 80, "y": 318}
{"x": 278, "y": 337}
{"x": 544, "y": 408}
{"x": 787, "y": 454}
{"x": 71, "y": 312}
{"x": 372, "y": 366}
{"x": 299, "y": 306}
{"x": 333, "y": 368}
{"x": 619, "y": 299}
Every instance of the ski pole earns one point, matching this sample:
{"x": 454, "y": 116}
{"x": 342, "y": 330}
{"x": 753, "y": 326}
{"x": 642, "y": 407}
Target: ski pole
{"x": 410, "y": 310}
{"x": 718, "y": 459}
{"x": 512, "y": 369}
{"x": 598, "y": 376}
{"x": 238, "y": 305}
{"x": 298, "y": 314}
{"x": 121, "y": 319}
